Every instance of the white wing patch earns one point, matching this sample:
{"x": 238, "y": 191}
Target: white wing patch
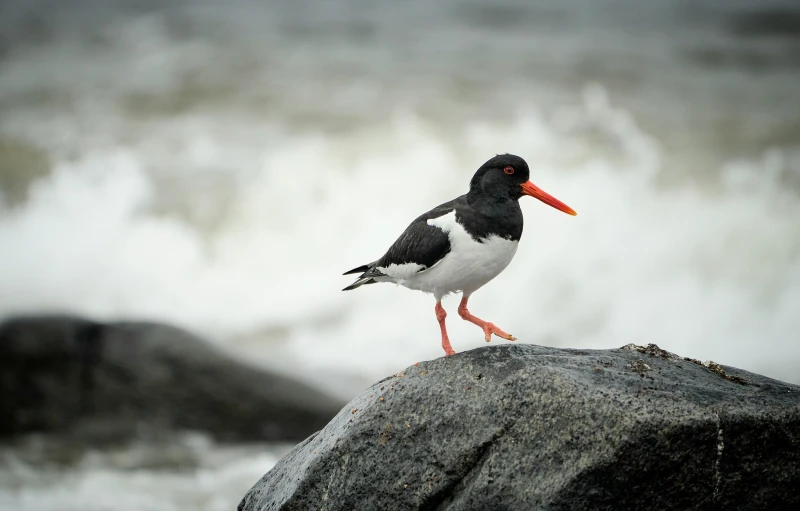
{"x": 446, "y": 222}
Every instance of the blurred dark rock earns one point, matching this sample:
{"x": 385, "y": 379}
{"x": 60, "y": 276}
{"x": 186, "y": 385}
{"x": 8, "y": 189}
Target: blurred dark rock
{"x": 764, "y": 40}
{"x": 768, "y": 22}
{"x": 109, "y": 382}
{"x": 522, "y": 427}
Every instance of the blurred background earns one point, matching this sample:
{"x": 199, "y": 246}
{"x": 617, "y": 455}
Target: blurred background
{"x": 218, "y": 165}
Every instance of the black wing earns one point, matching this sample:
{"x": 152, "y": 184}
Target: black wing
{"x": 420, "y": 243}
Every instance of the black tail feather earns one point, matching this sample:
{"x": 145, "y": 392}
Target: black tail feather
{"x": 368, "y": 274}
{"x": 359, "y": 283}
{"x": 360, "y": 269}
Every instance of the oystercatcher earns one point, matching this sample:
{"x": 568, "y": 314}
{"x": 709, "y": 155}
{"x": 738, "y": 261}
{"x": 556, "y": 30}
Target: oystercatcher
{"x": 461, "y": 245}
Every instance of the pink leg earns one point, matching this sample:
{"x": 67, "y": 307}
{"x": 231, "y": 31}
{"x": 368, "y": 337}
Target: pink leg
{"x": 488, "y": 328}
{"x": 440, "y": 315}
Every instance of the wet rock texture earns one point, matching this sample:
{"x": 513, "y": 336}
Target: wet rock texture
{"x": 527, "y": 427}
{"x": 97, "y": 382}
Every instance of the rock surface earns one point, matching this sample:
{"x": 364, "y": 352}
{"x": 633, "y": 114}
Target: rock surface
{"x": 114, "y": 381}
{"x": 523, "y": 427}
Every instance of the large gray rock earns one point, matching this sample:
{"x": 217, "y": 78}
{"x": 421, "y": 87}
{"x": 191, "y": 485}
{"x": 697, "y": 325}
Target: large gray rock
{"x": 526, "y": 427}
{"x": 115, "y": 381}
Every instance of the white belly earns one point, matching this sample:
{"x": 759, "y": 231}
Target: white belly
{"x": 467, "y": 267}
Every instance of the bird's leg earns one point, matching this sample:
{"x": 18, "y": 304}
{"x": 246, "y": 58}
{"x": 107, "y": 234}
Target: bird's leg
{"x": 440, "y": 315}
{"x": 488, "y": 328}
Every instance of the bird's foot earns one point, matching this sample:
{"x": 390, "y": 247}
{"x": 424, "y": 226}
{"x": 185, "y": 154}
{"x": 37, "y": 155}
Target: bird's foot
{"x": 488, "y": 328}
{"x": 491, "y": 328}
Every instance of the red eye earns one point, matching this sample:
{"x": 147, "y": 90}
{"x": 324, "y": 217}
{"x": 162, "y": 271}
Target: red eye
{"x": 509, "y": 170}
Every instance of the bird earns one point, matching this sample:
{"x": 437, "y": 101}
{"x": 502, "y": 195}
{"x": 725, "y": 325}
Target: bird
{"x": 461, "y": 245}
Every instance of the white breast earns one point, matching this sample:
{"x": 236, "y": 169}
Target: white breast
{"x": 469, "y": 264}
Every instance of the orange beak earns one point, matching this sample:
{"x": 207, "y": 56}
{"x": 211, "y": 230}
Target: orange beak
{"x": 531, "y": 189}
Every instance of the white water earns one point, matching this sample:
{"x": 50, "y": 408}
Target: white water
{"x": 705, "y": 273}
{"x": 220, "y": 167}
{"x": 190, "y": 473}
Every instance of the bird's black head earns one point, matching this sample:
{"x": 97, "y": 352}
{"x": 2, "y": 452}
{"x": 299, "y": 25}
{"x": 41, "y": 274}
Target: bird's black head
{"x": 506, "y": 177}
{"x": 501, "y": 177}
